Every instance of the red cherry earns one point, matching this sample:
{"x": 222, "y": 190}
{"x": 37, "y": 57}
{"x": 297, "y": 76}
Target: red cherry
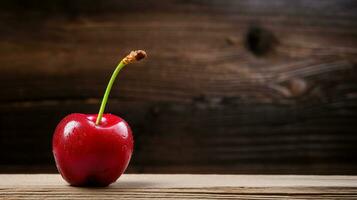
{"x": 90, "y": 154}
{"x": 95, "y": 149}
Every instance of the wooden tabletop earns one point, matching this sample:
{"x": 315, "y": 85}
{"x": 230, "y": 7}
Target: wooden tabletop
{"x": 184, "y": 186}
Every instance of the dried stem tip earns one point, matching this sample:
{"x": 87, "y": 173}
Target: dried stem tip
{"x": 134, "y": 56}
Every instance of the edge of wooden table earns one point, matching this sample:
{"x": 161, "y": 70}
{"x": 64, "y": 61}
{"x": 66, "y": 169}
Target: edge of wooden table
{"x": 181, "y": 186}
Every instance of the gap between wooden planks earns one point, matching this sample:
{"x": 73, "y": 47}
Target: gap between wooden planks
{"x": 183, "y": 186}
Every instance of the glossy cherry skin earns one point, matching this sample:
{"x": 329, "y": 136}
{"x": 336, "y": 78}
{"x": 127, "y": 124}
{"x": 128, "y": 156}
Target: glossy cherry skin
{"x": 87, "y": 154}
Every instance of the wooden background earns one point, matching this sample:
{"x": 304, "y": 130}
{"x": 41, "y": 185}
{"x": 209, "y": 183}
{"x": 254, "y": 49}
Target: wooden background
{"x": 229, "y": 86}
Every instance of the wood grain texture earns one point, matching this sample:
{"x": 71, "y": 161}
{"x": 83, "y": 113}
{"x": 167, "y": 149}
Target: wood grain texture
{"x": 146, "y": 186}
{"x": 229, "y": 86}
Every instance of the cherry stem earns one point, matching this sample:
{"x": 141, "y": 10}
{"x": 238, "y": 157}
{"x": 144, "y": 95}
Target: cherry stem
{"x": 132, "y": 57}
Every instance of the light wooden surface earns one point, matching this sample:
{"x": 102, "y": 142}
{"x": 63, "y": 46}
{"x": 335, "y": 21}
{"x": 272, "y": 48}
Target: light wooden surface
{"x": 156, "y": 186}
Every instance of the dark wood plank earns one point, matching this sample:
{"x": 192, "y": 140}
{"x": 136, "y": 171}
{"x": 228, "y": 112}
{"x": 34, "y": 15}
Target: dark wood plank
{"x": 229, "y": 86}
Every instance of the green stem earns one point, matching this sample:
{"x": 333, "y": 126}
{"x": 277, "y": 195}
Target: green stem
{"x": 107, "y": 91}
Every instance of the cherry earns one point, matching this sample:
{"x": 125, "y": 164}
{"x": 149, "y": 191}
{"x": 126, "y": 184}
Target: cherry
{"x": 94, "y": 149}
